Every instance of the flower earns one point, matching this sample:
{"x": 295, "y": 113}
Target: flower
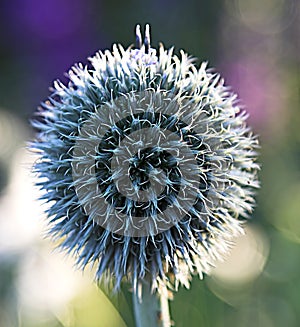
{"x": 148, "y": 165}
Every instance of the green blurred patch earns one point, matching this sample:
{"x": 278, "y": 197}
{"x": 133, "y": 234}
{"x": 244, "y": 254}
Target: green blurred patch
{"x": 93, "y": 309}
{"x": 287, "y": 216}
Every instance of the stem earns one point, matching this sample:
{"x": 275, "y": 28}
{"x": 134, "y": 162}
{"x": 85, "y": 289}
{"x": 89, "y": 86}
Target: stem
{"x": 165, "y": 311}
{"x": 149, "y": 310}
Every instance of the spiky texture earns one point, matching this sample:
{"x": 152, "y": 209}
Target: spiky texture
{"x": 224, "y": 148}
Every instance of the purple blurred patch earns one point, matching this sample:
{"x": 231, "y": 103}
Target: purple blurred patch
{"x": 53, "y": 19}
{"x": 46, "y": 38}
{"x": 257, "y": 85}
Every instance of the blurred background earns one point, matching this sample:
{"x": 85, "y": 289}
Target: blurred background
{"x": 255, "y": 46}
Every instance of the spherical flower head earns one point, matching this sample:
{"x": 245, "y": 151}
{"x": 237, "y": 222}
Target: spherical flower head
{"x": 147, "y": 163}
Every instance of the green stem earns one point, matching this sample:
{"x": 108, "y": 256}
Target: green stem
{"x": 149, "y": 309}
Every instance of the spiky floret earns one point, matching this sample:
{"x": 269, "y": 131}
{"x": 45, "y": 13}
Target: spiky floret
{"x": 223, "y": 146}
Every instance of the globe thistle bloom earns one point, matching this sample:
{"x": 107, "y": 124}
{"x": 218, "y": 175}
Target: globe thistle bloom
{"x": 147, "y": 163}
